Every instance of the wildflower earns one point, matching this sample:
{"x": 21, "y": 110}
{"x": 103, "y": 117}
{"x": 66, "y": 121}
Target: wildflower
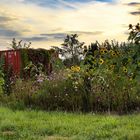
{"x": 72, "y": 68}
{"x": 131, "y": 76}
{"x": 101, "y": 61}
{"x": 125, "y": 69}
{"x": 103, "y": 50}
{"x": 75, "y": 68}
{"x": 67, "y": 69}
{"x": 76, "y": 83}
{"x": 78, "y": 69}
{"x": 118, "y": 76}
{"x": 39, "y": 80}
{"x": 112, "y": 67}
{"x": 130, "y": 79}
{"x": 118, "y": 53}
{"x": 113, "y": 53}
{"x": 76, "y": 88}
{"x": 69, "y": 75}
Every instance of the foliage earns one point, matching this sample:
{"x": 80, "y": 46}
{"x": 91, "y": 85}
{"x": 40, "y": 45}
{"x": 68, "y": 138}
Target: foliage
{"x": 107, "y": 80}
{"x": 19, "y": 45}
{"x": 35, "y": 61}
{"x": 111, "y": 71}
{"x": 71, "y": 50}
{"x": 21, "y": 94}
{"x": 58, "y": 65}
{"x": 2, "y": 82}
{"x": 134, "y": 35}
{"x": 9, "y": 80}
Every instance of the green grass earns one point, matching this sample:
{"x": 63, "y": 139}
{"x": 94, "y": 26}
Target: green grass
{"x": 39, "y": 125}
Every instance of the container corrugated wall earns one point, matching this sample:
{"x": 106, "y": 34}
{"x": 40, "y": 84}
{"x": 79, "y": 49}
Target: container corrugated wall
{"x": 12, "y": 59}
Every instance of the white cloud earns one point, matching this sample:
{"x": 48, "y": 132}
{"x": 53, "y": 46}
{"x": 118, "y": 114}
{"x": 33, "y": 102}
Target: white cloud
{"x": 33, "y": 20}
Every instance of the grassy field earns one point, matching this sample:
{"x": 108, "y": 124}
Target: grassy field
{"x": 38, "y": 125}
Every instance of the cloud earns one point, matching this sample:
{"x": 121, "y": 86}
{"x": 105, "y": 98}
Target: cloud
{"x": 134, "y": 4}
{"x": 135, "y": 13}
{"x": 9, "y": 33}
{"x": 46, "y": 22}
{"x": 37, "y": 38}
{"x": 86, "y": 33}
{"x": 6, "y": 29}
{"x": 61, "y": 36}
{"x": 46, "y": 37}
{"x": 6, "y": 19}
{"x": 55, "y": 35}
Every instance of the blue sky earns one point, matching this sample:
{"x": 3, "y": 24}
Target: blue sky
{"x": 46, "y": 22}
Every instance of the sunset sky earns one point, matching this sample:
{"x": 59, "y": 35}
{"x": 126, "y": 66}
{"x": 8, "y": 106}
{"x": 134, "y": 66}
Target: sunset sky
{"x": 46, "y": 22}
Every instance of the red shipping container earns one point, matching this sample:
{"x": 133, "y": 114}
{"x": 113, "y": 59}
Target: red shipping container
{"x": 12, "y": 60}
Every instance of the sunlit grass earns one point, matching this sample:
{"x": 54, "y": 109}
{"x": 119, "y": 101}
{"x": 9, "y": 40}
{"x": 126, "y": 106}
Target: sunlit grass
{"x": 38, "y": 125}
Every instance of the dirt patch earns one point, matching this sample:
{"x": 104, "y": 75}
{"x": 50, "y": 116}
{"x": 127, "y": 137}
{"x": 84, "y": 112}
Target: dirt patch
{"x": 56, "y": 138}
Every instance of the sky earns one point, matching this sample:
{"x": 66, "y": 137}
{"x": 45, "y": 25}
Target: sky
{"x": 46, "y": 22}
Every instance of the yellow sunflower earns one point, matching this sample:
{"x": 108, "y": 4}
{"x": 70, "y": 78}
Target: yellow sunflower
{"x": 101, "y": 61}
{"x": 113, "y": 53}
{"x": 103, "y": 50}
{"x": 124, "y": 69}
{"x": 75, "y": 68}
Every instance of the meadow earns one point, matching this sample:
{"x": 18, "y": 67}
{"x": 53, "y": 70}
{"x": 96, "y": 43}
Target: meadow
{"x": 39, "y": 125}
{"x": 91, "y": 94}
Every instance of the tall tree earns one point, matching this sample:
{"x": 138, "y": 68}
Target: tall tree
{"x": 72, "y": 50}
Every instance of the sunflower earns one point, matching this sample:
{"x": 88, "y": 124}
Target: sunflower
{"x": 101, "y": 61}
{"x": 75, "y": 68}
{"x": 112, "y": 67}
{"x": 103, "y": 50}
{"x": 118, "y": 53}
{"x": 125, "y": 69}
{"x": 113, "y": 53}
